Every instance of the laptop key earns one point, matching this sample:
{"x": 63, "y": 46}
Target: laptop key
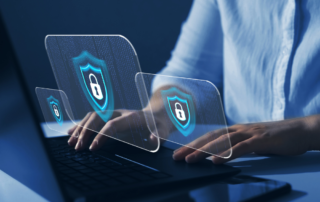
{"x": 80, "y": 167}
{"x": 99, "y": 168}
{"x": 60, "y": 159}
{"x": 101, "y": 178}
{"x": 90, "y": 182}
{"x": 84, "y": 161}
{"x": 66, "y": 172}
{"x": 109, "y": 164}
{"x": 159, "y": 175}
{"x": 66, "y": 161}
{"x": 98, "y": 186}
{"x": 80, "y": 159}
{"x": 73, "y": 164}
{"x": 117, "y": 167}
{"x": 139, "y": 176}
{"x": 60, "y": 168}
{"x": 83, "y": 178}
{"x": 94, "y": 174}
{"x": 126, "y": 179}
{"x": 106, "y": 170}
{"x": 87, "y": 171}
{"x": 75, "y": 175}
{"x": 114, "y": 174}
{"x": 126, "y": 170}
{"x": 84, "y": 188}
{"x": 112, "y": 183}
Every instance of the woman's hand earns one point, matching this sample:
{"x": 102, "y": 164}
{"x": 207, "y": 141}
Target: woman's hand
{"x": 120, "y": 122}
{"x": 288, "y": 137}
{"x": 89, "y": 125}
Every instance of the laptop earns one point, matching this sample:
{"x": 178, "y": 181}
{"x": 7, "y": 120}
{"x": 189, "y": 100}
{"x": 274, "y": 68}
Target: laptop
{"x": 58, "y": 173}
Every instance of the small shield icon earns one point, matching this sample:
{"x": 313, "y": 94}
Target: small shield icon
{"x": 180, "y": 109}
{"x": 54, "y": 106}
{"x": 96, "y": 83}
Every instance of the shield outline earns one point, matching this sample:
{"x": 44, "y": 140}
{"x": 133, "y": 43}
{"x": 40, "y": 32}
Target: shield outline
{"x": 96, "y": 70}
{"x": 51, "y": 100}
{"x": 181, "y": 100}
{"x": 84, "y": 59}
{"x": 188, "y": 128}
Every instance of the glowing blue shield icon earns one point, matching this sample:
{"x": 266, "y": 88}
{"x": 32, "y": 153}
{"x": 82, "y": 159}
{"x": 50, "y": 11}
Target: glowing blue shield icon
{"x": 180, "y": 109}
{"x": 96, "y": 83}
{"x": 54, "y": 106}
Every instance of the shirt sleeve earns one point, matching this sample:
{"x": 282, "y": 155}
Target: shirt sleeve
{"x": 198, "y": 51}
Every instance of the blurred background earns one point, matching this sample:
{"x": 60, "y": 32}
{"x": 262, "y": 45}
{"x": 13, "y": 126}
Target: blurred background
{"x": 152, "y": 26}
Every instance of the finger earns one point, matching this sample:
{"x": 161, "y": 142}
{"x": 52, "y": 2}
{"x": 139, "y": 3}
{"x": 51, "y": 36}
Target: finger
{"x": 238, "y": 150}
{"x": 93, "y": 124}
{"x": 180, "y": 153}
{"x": 98, "y": 142}
{"x": 71, "y": 130}
{"x": 118, "y": 124}
{"x": 219, "y": 145}
{"x": 78, "y": 128}
{"x": 155, "y": 138}
{"x": 121, "y": 124}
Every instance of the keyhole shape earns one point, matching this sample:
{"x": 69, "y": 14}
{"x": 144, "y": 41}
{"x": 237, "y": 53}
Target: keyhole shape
{"x": 96, "y": 89}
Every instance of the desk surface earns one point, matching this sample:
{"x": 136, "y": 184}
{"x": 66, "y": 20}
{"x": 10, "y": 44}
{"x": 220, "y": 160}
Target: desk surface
{"x": 302, "y": 172}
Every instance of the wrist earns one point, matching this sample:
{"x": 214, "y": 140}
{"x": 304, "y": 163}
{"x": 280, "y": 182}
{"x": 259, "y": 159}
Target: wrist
{"x": 312, "y": 126}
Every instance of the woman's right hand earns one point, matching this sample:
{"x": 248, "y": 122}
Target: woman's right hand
{"x": 120, "y": 122}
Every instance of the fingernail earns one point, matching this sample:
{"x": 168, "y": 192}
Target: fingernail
{"x": 176, "y": 156}
{"x": 94, "y": 145}
{"x": 216, "y": 160}
{"x": 176, "y": 150}
{"x": 79, "y": 145}
{"x": 191, "y": 159}
{"x": 70, "y": 139}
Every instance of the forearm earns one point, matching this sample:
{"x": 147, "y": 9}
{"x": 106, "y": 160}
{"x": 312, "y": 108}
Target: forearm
{"x": 312, "y": 127}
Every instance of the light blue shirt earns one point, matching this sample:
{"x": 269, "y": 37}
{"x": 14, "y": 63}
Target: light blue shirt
{"x": 264, "y": 56}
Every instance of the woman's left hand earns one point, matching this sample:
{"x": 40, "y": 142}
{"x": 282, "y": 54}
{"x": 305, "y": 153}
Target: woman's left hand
{"x": 288, "y": 137}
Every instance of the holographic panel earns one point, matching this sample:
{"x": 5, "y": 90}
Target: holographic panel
{"x": 56, "y": 110}
{"x": 185, "y": 111}
{"x": 97, "y": 73}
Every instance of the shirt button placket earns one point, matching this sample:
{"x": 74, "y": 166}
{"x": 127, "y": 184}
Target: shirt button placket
{"x": 282, "y": 63}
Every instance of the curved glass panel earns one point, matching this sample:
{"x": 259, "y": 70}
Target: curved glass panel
{"x": 184, "y": 111}
{"x": 56, "y": 111}
{"x": 97, "y": 73}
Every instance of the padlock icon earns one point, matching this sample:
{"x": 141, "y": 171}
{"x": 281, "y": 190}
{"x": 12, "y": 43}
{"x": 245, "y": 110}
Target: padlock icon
{"x": 56, "y": 110}
{"x": 179, "y": 112}
{"x": 95, "y": 87}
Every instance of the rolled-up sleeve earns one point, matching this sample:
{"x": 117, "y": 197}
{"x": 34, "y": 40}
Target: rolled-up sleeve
{"x": 198, "y": 52}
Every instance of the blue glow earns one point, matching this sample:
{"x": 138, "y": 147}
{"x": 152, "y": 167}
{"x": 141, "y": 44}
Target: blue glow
{"x": 96, "y": 70}
{"x": 187, "y": 128}
{"x": 84, "y": 62}
{"x": 51, "y": 100}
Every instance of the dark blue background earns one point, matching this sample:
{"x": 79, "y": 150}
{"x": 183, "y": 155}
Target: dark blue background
{"x": 151, "y": 25}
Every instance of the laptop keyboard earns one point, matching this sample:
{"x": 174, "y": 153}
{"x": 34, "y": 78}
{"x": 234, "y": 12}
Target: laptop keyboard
{"x": 87, "y": 171}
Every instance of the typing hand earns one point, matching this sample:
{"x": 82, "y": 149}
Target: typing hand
{"x": 288, "y": 137}
{"x": 120, "y": 122}
{"x": 90, "y": 124}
